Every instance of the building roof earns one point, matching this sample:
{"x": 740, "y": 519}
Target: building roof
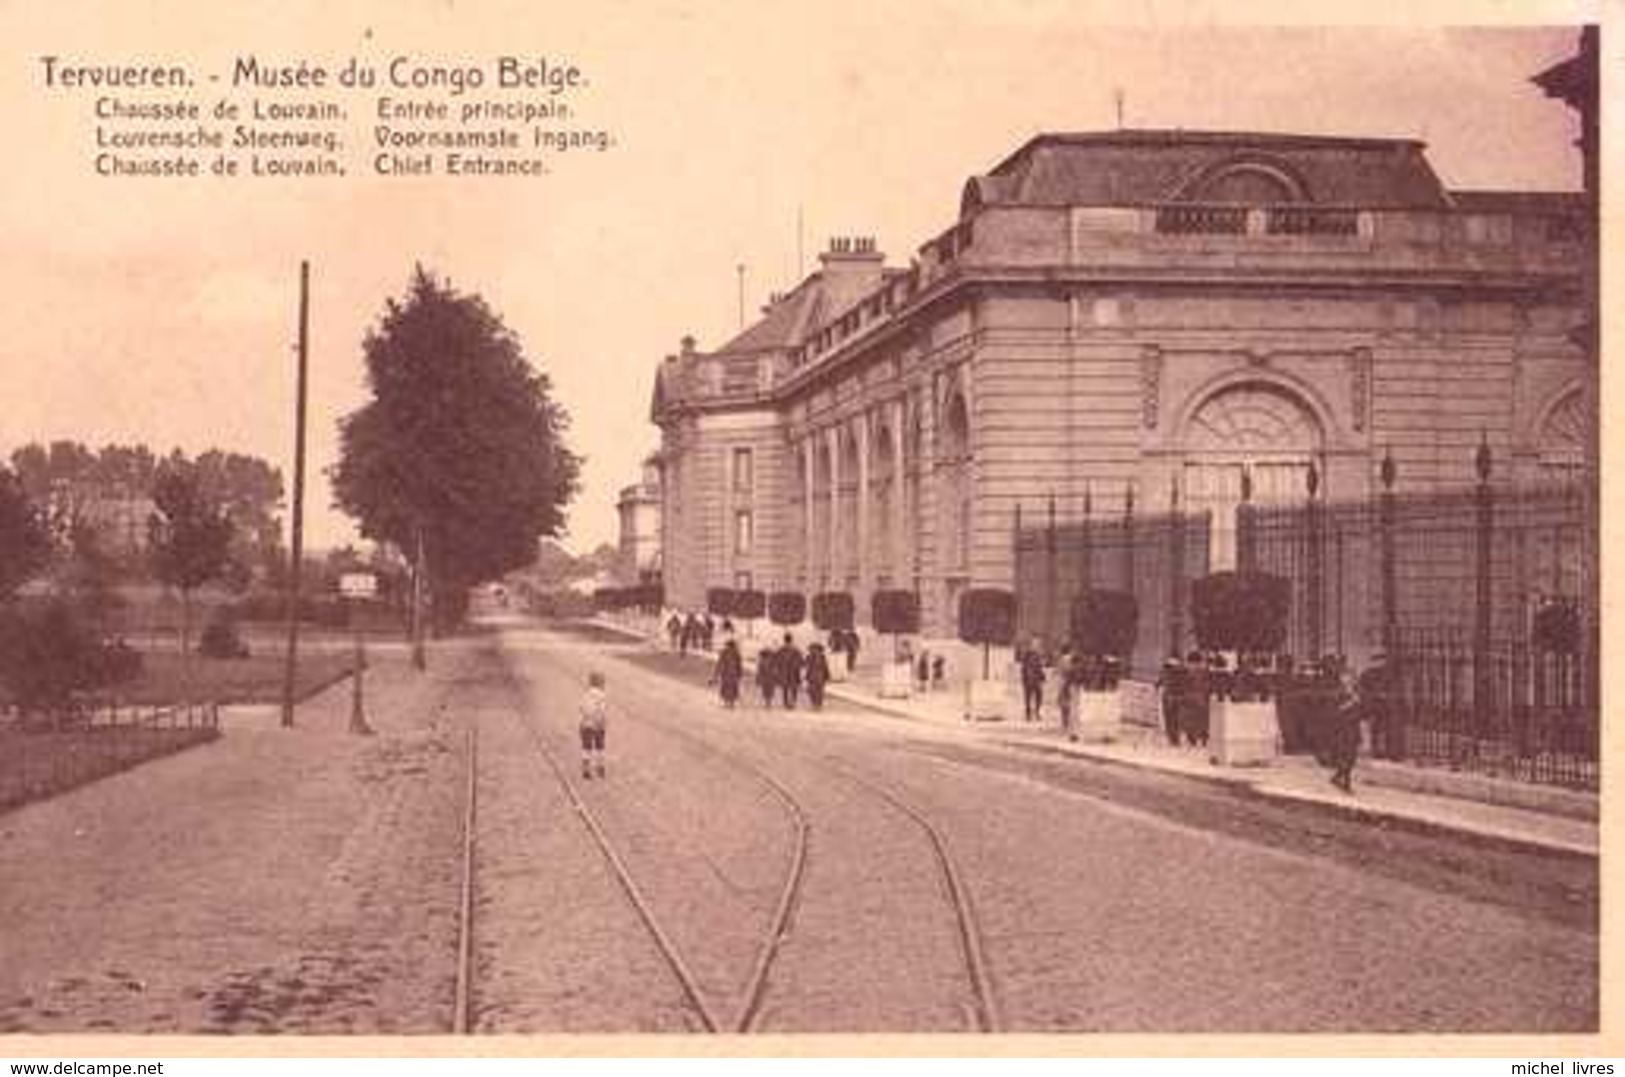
{"x": 1519, "y": 201}
{"x": 1136, "y": 167}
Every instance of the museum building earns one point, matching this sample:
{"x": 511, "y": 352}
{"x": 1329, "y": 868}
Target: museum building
{"x": 1131, "y": 320}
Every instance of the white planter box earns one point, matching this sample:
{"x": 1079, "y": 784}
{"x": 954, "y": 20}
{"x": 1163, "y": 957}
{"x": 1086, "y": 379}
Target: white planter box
{"x": 1096, "y": 716}
{"x": 1242, "y": 734}
{"x": 896, "y": 680}
{"x": 986, "y": 700}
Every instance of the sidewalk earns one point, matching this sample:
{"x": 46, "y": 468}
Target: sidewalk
{"x": 1498, "y": 810}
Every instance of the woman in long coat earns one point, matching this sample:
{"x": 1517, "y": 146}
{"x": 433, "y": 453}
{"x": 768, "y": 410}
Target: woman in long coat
{"x": 817, "y": 675}
{"x": 730, "y": 670}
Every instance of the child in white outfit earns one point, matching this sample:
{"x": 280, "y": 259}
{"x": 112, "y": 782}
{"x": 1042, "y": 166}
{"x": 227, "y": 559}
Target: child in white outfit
{"x": 594, "y": 718}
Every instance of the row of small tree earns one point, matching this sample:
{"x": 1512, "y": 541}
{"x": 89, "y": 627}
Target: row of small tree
{"x": 1244, "y": 612}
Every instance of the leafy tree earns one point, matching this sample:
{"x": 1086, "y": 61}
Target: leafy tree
{"x": 25, "y": 543}
{"x": 189, "y": 537}
{"x": 461, "y": 446}
{"x": 250, "y": 490}
{"x": 60, "y": 479}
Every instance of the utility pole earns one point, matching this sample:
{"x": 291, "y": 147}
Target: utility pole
{"x": 297, "y": 552}
{"x": 741, "y": 270}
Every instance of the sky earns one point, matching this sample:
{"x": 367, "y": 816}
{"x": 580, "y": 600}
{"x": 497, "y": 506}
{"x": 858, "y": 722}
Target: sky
{"x": 164, "y": 310}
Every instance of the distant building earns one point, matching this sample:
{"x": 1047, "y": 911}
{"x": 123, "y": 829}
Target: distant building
{"x": 1143, "y": 318}
{"x": 639, "y": 509}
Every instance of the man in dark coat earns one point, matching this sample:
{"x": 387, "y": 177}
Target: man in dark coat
{"x": 730, "y": 669}
{"x": 1031, "y": 661}
{"x": 1193, "y": 700}
{"x": 1171, "y": 683}
{"x": 1344, "y": 749}
{"x": 790, "y": 662}
{"x": 767, "y": 674}
{"x": 817, "y": 675}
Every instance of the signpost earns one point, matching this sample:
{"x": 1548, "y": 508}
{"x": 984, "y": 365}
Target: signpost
{"x": 356, "y": 586}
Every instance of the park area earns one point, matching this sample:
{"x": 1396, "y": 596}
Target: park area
{"x": 149, "y": 716}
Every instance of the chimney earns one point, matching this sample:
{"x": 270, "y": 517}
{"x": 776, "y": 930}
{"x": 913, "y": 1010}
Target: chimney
{"x": 852, "y": 268}
{"x": 688, "y": 346}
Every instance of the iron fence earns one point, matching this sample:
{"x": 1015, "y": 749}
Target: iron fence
{"x": 1448, "y": 584}
{"x": 41, "y": 756}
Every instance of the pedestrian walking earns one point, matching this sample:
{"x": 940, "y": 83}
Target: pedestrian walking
{"x": 1031, "y": 661}
{"x": 1344, "y": 749}
{"x": 939, "y": 672}
{"x": 1193, "y": 699}
{"x": 593, "y": 725}
{"x": 730, "y": 670}
{"x": 1170, "y": 691}
{"x": 674, "y": 629}
{"x": 708, "y": 629}
{"x": 1066, "y": 677}
{"x": 817, "y": 675}
{"x": 789, "y": 671}
{"x": 922, "y": 671}
{"x": 767, "y": 675}
{"x": 851, "y": 641}
{"x": 691, "y": 633}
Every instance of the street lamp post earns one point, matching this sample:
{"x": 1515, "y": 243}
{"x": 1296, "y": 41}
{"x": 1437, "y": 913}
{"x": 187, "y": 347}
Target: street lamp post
{"x": 355, "y": 586}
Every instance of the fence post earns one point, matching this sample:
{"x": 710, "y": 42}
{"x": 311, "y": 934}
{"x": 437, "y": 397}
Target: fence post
{"x": 1088, "y": 551}
{"x": 1483, "y": 688}
{"x": 1176, "y": 566}
{"x": 1314, "y": 595}
{"x": 1128, "y": 538}
{"x": 1245, "y": 554}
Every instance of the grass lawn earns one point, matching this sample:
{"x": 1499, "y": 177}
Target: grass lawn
{"x": 256, "y": 679}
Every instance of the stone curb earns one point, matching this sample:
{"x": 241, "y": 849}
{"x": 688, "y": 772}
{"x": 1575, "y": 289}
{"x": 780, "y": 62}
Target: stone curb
{"x": 1444, "y": 785}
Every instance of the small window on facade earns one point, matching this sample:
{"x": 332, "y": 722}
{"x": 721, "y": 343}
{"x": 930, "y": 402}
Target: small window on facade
{"x": 744, "y": 479}
{"x": 744, "y": 532}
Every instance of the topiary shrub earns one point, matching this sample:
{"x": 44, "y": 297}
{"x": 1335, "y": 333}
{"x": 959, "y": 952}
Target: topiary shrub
{"x": 832, "y": 611}
{"x": 895, "y": 611}
{"x": 786, "y": 608}
{"x": 987, "y": 616}
{"x": 1244, "y": 612}
{"x": 1105, "y": 623}
{"x": 719, "y": 601}
{"x": 750, "y": 604}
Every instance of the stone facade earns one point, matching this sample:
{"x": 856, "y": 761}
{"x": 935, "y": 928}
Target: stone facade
{"x": 1125, "y": 315}
{"x": 639, "y": 510}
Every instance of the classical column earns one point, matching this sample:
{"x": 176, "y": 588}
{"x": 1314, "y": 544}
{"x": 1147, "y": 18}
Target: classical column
{"x": 832, "y": 550}
{"x": 896, "y": 551}
{"x": 862, "y": 501}
{"x": 809, "y": 536}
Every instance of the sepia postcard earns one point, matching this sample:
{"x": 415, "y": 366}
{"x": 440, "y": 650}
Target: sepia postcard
{"x": 694, "y": 527}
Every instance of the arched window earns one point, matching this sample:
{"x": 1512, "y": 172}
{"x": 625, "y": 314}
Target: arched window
{"x": 1562, "y": 441}
{"x": 1259, "y": 428}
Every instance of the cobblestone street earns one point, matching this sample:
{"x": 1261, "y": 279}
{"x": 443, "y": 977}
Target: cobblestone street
{"x": 308, "y": 881}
